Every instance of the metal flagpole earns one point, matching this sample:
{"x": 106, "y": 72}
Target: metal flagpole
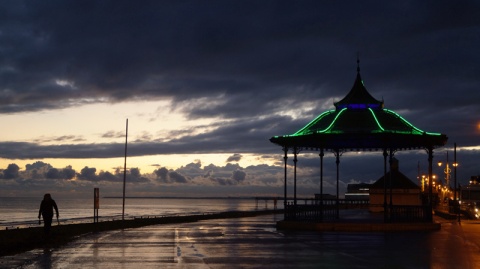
{"x": 125, "y": 172}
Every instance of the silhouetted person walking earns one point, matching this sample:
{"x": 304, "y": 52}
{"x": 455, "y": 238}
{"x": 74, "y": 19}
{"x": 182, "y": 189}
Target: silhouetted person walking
{"x": 46, "y": 210}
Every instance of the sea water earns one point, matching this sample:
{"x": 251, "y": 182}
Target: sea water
{"x": 23, "y": 212}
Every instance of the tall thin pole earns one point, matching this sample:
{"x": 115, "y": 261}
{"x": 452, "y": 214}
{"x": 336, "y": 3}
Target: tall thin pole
{"x": 285, "y": 158}
{"x": 447, "y": 173}
{"x": 125, "y": 171}
{"x": 455, "y": 172}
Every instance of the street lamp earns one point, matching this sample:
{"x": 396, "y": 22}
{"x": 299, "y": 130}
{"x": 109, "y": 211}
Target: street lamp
{"x": 455, "y": 164}
{"x": 447, "y": 172}
{"x": 425, "y": 182}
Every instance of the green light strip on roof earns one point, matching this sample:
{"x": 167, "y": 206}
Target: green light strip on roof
{"x": 381, "y": 129}
{"x": 376, "y": 120}
{"x": 408, "y": 123}
{"x": 333, "y": 122}
{"x": 313, "y": 122}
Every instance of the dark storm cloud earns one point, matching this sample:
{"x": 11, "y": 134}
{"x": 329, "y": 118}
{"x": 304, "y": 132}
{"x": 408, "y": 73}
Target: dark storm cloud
{"x": 88, "y": 174}
{"x": 234, "y": 158}
{"x": 103, "y": 176}
{"x": 176, "y": 177}
{"x": 11, "y": 172}
{"x": 65, "y": 173}
{"x": 238, "y": 49}
{"x": 239, "y": 175}
{"x": 228, "y": 175}
{"x": 241, "y": 61}
{"x": 42, "y": 176}
{"x": 161, "y": 174}
{"x": 38, "y": 165}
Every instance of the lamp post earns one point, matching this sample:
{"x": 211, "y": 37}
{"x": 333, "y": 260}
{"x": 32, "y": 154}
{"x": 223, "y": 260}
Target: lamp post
{"x": 455, "y": 164}
{"x": 423, "y": 183}
{"x": 447, "y": 172}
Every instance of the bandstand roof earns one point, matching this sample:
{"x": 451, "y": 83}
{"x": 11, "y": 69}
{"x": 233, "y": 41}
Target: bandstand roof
{"x": 360, "y": 122}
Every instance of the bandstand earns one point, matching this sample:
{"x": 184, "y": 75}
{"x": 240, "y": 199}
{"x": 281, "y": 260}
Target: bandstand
{"x": 359, "y": 122}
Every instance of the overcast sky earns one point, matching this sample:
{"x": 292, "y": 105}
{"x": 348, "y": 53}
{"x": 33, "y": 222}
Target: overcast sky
{"x": 205, "y": 84}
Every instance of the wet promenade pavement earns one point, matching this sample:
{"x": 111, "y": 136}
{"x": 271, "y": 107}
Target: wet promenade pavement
{"x": 255, "y": 243}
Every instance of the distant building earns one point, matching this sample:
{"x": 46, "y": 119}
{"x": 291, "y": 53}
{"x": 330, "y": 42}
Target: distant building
{"x": 359, "y": 191}
{"x": 471, "y": 193}
{"x": 474, "y": 180}
{"x": 404, "y": 191}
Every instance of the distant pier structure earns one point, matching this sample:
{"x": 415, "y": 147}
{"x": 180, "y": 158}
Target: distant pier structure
{"x": 275, "y": 200}
{"x": 266, "y": 200}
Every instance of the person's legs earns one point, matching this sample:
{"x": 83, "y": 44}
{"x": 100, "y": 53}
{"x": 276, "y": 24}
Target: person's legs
{"x": 47, "y": 224}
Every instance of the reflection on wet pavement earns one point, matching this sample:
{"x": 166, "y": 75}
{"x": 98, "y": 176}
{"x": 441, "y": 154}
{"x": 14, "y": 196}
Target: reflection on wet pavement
{"x": 255, "y": 243}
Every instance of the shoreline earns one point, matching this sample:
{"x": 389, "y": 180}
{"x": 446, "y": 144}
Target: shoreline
{"x": 15, "y": 241}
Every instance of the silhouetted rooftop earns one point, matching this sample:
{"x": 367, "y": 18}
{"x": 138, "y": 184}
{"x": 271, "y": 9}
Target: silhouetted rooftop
{"x": 399, "y": 181}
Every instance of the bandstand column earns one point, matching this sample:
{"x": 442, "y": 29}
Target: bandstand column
{"x": 430, "y": 182}
{"x": 295, "y": 176}
{"x": 337, "y": 155}
{"x": 385, "y": 215}
{"x": 321, "y": 183}
{"x": 390, "y": 161}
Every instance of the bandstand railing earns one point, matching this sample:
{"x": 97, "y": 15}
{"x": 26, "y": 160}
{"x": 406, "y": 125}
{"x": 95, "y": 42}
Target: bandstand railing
{"x": 329, "y": 210}
{"x": 409, "y": 213}
{"x": 319, "y": 211}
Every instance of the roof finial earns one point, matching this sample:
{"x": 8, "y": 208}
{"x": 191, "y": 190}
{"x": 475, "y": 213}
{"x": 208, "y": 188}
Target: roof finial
{"x": 358, "y": 62}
